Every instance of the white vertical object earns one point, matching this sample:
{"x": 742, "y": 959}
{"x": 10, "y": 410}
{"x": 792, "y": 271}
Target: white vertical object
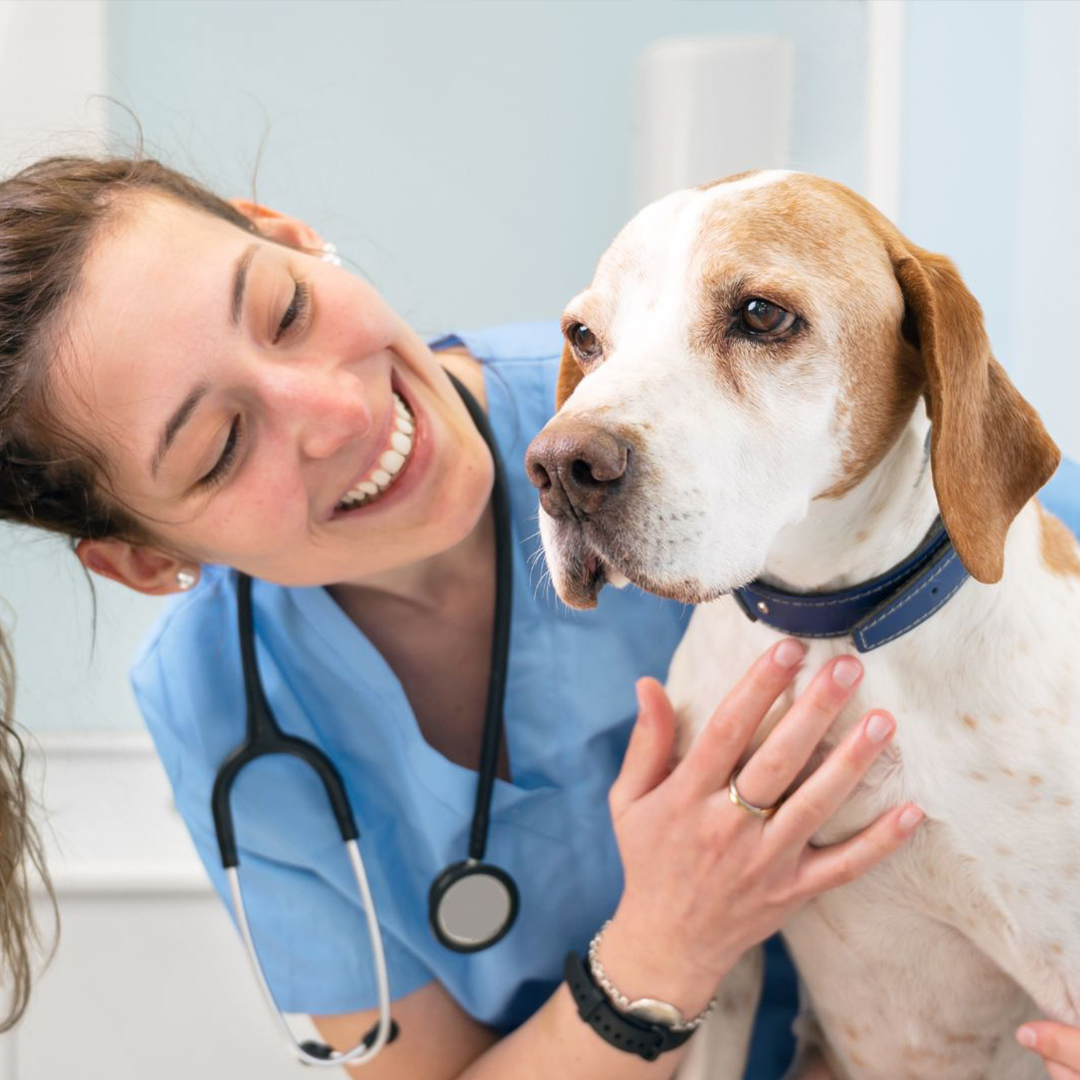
{"x": 884, "y": 105}
{"x": 52, "y": 77}
{"x": 709, "y": 107}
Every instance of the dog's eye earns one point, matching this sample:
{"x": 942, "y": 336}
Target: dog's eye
{"x": 583, "y": 340}
{"x": 760, "y": 317}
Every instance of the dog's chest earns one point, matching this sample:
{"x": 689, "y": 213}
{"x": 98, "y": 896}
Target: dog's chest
{"x": 923, "y": 967}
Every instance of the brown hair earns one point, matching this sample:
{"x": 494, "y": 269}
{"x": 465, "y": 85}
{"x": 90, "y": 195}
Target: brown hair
{"x": 21, "y": 857}
{"x": 50, "y": 215}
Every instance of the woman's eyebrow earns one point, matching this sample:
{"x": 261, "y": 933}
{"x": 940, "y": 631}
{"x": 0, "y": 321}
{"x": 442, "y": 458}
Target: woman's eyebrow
{"x": 240, "y": 282}
{"x": 175, "y": 422}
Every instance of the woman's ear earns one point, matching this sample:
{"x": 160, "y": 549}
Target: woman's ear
{"x": 143, "y": 569}
{"x": 279, "y": 227}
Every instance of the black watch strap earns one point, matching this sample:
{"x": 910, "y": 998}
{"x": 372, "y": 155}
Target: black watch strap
{"x": 624, "y": 1032}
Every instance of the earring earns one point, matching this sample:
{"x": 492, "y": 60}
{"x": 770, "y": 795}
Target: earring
{"x": 330, "y": 254}
{"x": 186, "y": 579}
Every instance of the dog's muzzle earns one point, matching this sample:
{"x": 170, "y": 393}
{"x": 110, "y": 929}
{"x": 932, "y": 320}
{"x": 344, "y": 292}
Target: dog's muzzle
{"x": 578, "y": 467}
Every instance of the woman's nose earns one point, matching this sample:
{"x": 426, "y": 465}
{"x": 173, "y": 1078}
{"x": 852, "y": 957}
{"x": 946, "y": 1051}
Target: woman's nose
{"x": 331, "y": 410}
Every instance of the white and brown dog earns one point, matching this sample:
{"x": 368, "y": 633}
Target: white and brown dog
{"x": 742, "y": 397}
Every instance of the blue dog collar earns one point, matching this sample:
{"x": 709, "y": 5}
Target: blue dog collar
{"x": 873, "y": 613}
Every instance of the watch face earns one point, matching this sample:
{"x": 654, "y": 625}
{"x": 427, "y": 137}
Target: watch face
{"x": 655, "y": 1012}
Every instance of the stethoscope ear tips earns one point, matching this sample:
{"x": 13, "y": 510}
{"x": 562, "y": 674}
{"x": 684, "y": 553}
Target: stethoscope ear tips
{"x": 325, "y": 1053}
{"x": 317, "y": 1050}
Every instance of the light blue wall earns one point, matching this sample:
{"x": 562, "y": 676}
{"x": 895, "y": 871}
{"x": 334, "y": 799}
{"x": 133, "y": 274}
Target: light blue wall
{"x": 474, "y": 158}
{"x": 991, "y": 174}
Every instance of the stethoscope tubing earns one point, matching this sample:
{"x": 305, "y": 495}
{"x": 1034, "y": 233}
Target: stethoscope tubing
{"x": 363, "y": 1051}
{"x": 264, "y": 738}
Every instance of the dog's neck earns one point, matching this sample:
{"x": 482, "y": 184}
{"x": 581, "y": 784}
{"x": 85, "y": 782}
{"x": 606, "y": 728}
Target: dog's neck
{"x": 843, "y": 541}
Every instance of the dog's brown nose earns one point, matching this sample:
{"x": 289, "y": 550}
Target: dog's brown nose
{"x": 576, "y": 465}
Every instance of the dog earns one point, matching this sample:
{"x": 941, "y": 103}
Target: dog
{"x": 766, "y": 382}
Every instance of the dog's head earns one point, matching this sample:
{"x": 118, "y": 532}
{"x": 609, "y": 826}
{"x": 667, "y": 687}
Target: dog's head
{"x": 748, "y": 347}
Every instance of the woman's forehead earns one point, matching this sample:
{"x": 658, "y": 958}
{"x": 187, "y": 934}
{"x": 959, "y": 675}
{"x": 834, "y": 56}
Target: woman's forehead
{"x": 150, "y": 314}
{"x": 153, "y": 299}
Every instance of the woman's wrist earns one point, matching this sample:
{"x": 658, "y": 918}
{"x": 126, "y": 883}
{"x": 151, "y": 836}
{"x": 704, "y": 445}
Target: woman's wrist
{"x": 640, "y": 963}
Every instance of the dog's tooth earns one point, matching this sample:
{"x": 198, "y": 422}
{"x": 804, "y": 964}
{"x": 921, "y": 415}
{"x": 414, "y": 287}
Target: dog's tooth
{"x": 403, "y": 425}
{"x": 368, "y": 488}
{"x": 381, "y": 477}
{"x": 401, "y": 443}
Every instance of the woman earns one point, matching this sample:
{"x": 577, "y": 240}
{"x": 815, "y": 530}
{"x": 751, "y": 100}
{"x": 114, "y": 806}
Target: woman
{"x": 189, "y": 392}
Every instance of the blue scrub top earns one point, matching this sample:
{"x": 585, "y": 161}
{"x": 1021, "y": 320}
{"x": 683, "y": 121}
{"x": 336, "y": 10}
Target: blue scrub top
{"x": 569, "y": 709}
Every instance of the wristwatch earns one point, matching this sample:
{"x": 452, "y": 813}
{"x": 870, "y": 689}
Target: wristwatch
{"x": 647, "y": 1027}
{"x": 634, "y": 1034}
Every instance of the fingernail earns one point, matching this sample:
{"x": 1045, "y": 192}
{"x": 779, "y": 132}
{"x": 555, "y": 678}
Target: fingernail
{"x": 910, "y": 818}
{"x": 846, "y": 670}
{"x": 789, "y": 652}
{"x": 1026, "y": 1036}
{"x": 879, "y": 727}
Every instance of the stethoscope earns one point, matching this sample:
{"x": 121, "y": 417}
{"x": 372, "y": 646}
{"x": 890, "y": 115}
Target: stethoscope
{"x": 471, "y": 904}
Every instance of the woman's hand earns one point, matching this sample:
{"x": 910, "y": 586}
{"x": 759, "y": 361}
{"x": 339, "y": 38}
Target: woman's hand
{"x": 1058, "y": 1044}
{"x": 705, "y": 879}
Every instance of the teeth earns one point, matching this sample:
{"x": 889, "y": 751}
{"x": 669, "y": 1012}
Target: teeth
{"x": 390, "y": 463}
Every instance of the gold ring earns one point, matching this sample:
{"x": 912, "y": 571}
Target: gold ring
{"x": 750, "y": 808}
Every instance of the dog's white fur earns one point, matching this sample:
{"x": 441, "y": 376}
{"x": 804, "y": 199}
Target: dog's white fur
{"x": 921, "y": 969}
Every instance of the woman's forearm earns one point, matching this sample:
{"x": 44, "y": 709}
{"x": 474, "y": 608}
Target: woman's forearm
{"x": 556, "y": 1042}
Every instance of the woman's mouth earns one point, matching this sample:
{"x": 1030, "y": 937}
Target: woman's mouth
{"x": 389, "y": 463}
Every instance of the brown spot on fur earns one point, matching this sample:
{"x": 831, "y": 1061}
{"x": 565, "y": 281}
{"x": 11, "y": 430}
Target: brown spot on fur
{"x": 1035, "y": 780}
{"x": 1001, "y": 849}
{"x": 1064, "y": 800}
{"x": 569, "y": 376}
{"x": 957, "y": 1038}
{"x": 862, "y": 536}
{"x": 1054, "y": 895}
{"x": 1056, "y": 948}
{"x": 1070, "y": 870}
{"x": 851, "y": 1032}
{"x": 976, "y": 775}
{"x": 969, "y": 722}
{"x": 1060, "y": 551}
{"x": 1007, "y": 771}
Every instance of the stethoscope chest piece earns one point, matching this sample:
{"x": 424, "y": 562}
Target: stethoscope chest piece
{"x": 472, "y": 905}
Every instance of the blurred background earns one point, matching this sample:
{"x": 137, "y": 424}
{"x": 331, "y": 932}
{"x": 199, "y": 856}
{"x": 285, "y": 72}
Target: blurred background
{"x": 473, "y": 158}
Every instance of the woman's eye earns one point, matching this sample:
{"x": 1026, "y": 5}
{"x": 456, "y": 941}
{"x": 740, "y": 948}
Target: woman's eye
{"x": 228, "y": 456}
{"x": 760, "y": 317}
{"x": 583, "y": 341}
{"x": 294, "y": 313}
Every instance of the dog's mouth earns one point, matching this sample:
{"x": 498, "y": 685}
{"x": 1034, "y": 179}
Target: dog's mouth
{"x": 589, "y": 563}
{"x": 585, "y": 573}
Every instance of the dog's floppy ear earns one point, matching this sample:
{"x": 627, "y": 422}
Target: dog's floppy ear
{"x": 569, "y": 376}
{"x": 989, "y": 451}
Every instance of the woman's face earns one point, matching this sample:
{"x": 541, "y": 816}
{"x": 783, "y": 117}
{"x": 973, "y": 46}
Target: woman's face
{"x": 240, "y": 389}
